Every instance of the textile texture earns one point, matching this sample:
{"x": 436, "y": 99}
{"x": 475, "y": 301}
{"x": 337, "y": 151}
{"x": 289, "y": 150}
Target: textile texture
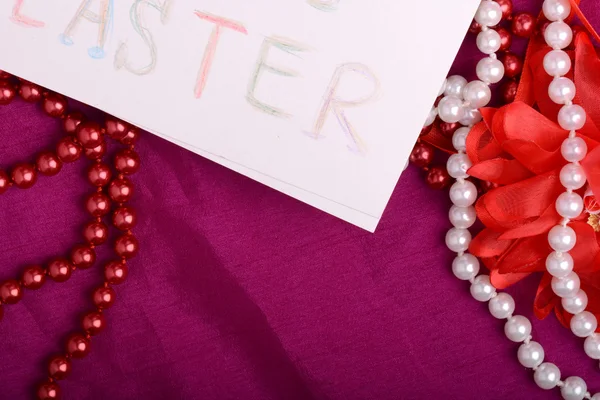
{"x": 240, "y": 292}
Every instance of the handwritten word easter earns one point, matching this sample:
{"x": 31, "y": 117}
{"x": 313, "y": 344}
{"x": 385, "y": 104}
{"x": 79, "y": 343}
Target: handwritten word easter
{"x": 103, "y": 15}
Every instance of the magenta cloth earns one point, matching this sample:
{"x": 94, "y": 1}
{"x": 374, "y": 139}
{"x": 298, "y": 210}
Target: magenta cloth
{"x": 240, "y": 292}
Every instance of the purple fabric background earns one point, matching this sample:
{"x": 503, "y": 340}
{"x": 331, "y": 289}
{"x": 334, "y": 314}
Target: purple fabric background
{"x": 240, "y": 292}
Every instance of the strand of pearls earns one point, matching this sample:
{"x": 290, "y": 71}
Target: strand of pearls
{"x": 569, "y": 205}
{"x": 463, "y": 195}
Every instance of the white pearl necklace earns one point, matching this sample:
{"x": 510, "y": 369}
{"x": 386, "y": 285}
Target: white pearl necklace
{"x": 569, "y": 205}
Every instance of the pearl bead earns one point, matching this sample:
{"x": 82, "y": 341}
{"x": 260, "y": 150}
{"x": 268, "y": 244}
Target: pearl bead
{"x": 95, "y": 153}
{"x": 490, "y": 70}
{"x": 120, "y": 190}
{"x": 48, "y": 391}
{"x": 595, "y": 397}
{"x": 569, "y": 205}
{"x": 572, "y": 176}
{"x": 431, "y": 117}
{"x": 567, "y": 286}
{"x": 523, "y": 24}
{"x": 458, "y": 240}
{"x": 10, "y": 292}
{"x": 97, "y": 204}
{"x": 24, "y": 176}
{"x": 7, "y": 92}
{"x": 481, "y": 288}
{"x": 471, "y": 117}
{"x": 477, "y": 94}
{"x": 48, "y": 163}
{"x": 530, "y": 354}
{"x": 465, "y": 267}
{"x": 89, "y": 134}
{"x": 574, "y": 388}
{"x": 561, "y": 90}
{"x": 488, "y": 41}
{"x": 562, "y": 238}
{"x": 559, "y": 264}
{"x": 556, "y": 10}
{"x": 34, "y": 277}
{"x": 592, "y": 346}
{"x": 458, "y": 165}
{"x": 558, "y": 35}
{"x": 55, "y": 105}
{"x": 448, "y": 129}
{"x": 489, "y": 13}
{"x": 583, "y": 324}
{"x": 59, "y": 367}
{"x": 547, "y": 376}
{"x": 127, "y": 246}
{"x": 442, "y": 88}
{"x": 574, "y": 149}
{"x": 517, "y": 328}
{"x": 60, "y": 270}
{"x": 437, "y": 177}
{"x": 459, "y": 139}
{"x": 115, "y": 128}
{"x": 95, "y": 232}
{"x": 571, "y": 117}
{"x": 575, "y": 304}
{"x": 130, "y": 137}
{"x": 124, "y": 218}
{"x": 103, "y": 297}
{"x": 557, "y": 63}
{"x": 513, "y": 64}
{"x": 72, "y": 121}
{"x": 451, "y": 109}
{"x": 127, "y": 162}
{"x": 422, "y": 154}
{"x": 115, "y": 272}
{"x": 78, "y": 346}
{"x": 83, "y": 256}
{"x": 463, "y": 194}
{"x": 4, "y": 181}
{"x": 99, "y": 174}
{"x": 93, "y": 322}
{"x": 454, "y": 86}
{"x": 502, "y": 306}
{"x": 462, "y": 217}
{"x": 30, "y": 92}
{"x": 505, "y": 38}
{"x": 68, "y": 150}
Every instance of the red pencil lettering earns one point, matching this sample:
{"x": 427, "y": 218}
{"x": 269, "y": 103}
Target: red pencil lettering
{"x": 211, "y": 47}
{"x": 21, "y": 19}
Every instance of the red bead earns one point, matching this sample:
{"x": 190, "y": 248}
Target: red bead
{"x": 513, "y": 65}
{"x": 120, "y": 190}
{"x": 103, "y": 297}
{"x": 72, "y": 121}
{"x": 486, "y": 186}
{"x": 5, "y": 75}
{"x": 68, "y": 150}
{"x": 95, "y": 232}
{"x": 1, "y": 312}
{"x": 422, "y": 154}
{"x": 48, "y": 163}
{"x": 475, "y": 27}
{"x": 542, "y": 25}
{"x": 425, "y": 130}
{"x": 115, "y": 272}
{"x": 83, "y": 256}
{"x": 93, "y": 323}
{"x": 97, "y": 204}
{"x": 48, "y": 391}
{"x": 78, "y": 346}
{"x": 59, "y": 367}
{"x": 126, "y": 246}
{"x": 4, "y": 181}
{"x": 60, "y": 270}
{"x": 54, "y": 104}
{"x": 30, "y": 92}
{"x": 97, "y": 152}
{"x": 89, "y": 134}
{"x": 127, "y": 162}
{"x": 24, "y": 176}
{"x": 507, "y": 8}
{"x": 7, "y": 92}
{"x": 438, "y": 178}
{"x": 124, "y": 218}
{"x": 131, "y": 137}
{"x": 448, "y": 128}
{"x": 523, "y": 25}
{"x": 34, "y": 277}
{"x": 505, "y": 38}
{"x": 10, "y": 292}
{"x": 508, "y": 91}
{"x": 99, "y": 174}
{"x": 115, "y": 128}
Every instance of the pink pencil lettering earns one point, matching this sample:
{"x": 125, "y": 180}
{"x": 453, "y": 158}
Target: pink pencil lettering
{"x": 211, "y": 47}
{"x": 332, "y": 103}
{"x": 21, "y": 19}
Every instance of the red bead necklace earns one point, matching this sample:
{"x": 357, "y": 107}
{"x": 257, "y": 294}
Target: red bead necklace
{"x": 112, "y": 190}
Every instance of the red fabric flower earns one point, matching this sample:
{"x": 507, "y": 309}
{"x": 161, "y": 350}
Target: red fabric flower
{"x": 518, "y": 147}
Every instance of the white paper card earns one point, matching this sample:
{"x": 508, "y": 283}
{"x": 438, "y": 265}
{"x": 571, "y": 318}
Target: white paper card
{"x": 320, "y": 99}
